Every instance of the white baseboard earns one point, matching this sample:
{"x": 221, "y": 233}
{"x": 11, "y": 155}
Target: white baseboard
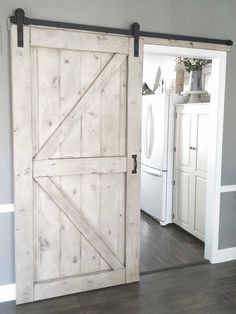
{"x": 6, "y": 208}
{"x": 228, "y": 188}
{"x": 225, "y": 255}
{"x": 7, "y": 293}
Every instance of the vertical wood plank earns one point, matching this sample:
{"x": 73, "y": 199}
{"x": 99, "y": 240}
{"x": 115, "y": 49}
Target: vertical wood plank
{"x": 22, "y": 141}
{"x": 112, "y": 212}
{"x": 90, "y": 137}
{"x": 123, "y": 104}
{"x": 90, "y": 208}
{"x": 35, "y": 146}
{"x": 70, "y": 248}
{"x": 70, "y": 92}
{"x": 34, "y": 97}
{"x": 133, "y": 147}
{"x": 48, "y": 93}
{"x": 49, "y": 111}
{"x": 121, "y": 190}
{"x": 48, "y": 238}
{"x": 89, "y": 257}
{"x": 111, "y": 116}
{"x": 90, "y": 146}
{"x": 70, "y": 236}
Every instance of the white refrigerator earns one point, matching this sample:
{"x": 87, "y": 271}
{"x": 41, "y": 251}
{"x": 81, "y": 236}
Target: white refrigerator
{"x": 157, "y": 154}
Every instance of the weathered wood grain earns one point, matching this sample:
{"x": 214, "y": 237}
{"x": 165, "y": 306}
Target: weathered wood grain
{"x": 58, "y": 136}
{"x": 77, "y": 219}
{"x": 77, "y": 105}
{"x": 73, "y": 166}
{"x": 23, "y": 187}
{"x": 79, "y": 284}
{"x": 77, "y": 40}
{"x": 133, "y": 180}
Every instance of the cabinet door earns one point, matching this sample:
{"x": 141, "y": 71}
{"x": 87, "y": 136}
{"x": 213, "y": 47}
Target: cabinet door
{"x": 200, "y": 172}
{"x": 182, "y": 195}
{"x": 191, "y": 168}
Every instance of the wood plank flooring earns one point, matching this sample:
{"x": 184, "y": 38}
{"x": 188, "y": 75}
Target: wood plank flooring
{"x": 167, "y": 246}
{"x": 202, "y": 289}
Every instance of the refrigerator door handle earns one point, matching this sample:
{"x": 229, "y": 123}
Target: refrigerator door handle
{"x": 149, "y": 133}
{"x": 151, "y": 138}
{"x": 145, "y": 135}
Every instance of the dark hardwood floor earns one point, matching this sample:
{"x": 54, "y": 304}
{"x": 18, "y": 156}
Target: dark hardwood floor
{"x": 169, "y": 246}
{"x": 191, "y": 290}
{"x": 202, "y": 289}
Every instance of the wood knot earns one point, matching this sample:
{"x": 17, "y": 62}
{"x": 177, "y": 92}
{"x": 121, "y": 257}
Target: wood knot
{"x": 44, "y": 244}
{"x": 75, "y": 259}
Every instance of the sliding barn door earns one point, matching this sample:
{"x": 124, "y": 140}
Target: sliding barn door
{"x": 77, "y": 122}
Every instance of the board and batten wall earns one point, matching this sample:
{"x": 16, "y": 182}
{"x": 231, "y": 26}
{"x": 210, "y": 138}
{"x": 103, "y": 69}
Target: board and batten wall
{"x": 189, "y": 17}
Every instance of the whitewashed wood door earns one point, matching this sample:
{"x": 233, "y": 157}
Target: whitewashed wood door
{"x": 77, "y": 123}
{"x": 190, "y": 170}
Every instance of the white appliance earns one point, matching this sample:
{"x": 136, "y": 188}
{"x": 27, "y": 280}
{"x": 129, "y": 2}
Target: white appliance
{"x": 157, "y": 154}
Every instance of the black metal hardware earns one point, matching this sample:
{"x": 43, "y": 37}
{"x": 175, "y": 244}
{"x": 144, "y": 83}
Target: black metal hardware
{"x": 227, "y": 42}
{"x": 190, "y": 147}
{"x": 20, "y": 19}
{"x": 135, "y": 163}
{"x": 194, "y": 148}
{"x": 136, "y": 28}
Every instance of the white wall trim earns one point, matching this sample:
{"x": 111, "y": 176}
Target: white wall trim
{"x": 6, "y": 208}
{"x": 185, "y": 44}
{"x": 228, "y": 188}
{"x": 7, "y": 293}
{"x": 225, "y": 255}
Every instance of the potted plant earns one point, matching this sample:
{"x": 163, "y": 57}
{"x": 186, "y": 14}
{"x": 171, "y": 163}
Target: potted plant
{"x": 194, "y": 67}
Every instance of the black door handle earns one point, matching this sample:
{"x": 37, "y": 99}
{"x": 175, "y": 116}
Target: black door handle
{"x": 135, "y": 163}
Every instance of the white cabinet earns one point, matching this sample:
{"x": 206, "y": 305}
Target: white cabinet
{"x": 190, "y": 169}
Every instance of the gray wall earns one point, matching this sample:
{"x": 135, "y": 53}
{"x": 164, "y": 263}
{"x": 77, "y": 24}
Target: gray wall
{"x": 207, "y": 18}
{"x": 7, "y": 274}
{"x": 227, "y": 232}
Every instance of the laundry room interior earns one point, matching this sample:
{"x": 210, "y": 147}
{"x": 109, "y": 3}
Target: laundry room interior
{"x": 176, "y": 100}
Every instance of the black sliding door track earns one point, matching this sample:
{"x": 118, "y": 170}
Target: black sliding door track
{"x": 20, "y": 20}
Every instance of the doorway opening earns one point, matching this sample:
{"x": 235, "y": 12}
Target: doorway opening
{"x": 181, "y": 131}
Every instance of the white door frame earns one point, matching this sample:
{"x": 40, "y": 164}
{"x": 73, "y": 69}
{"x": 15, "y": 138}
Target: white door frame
{"x": 218, "y": 56}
